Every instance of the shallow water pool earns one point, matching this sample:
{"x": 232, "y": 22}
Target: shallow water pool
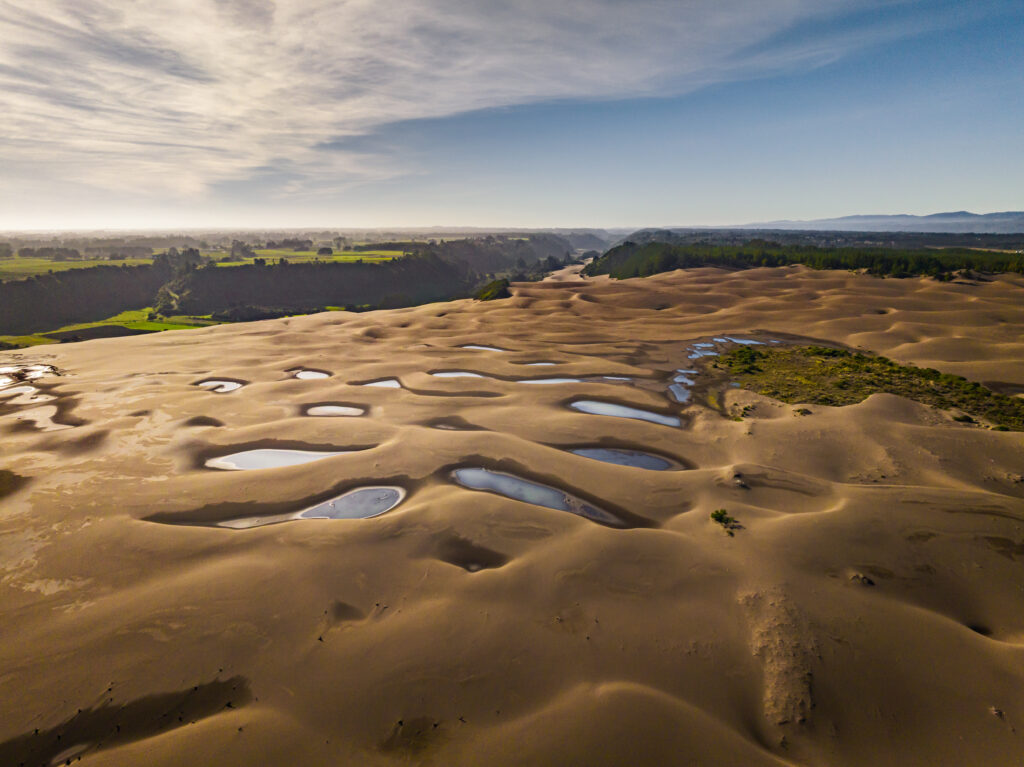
{"x": 551, "y": 380}
{"x": 596, "y": 407}
{"x": 220, "y": 387}
{"x": 456, "y": 374}
{"x": 360, "y": 503}
{"x": 634, "y": 458}
{"x": 679, "y": 393}
{"x": 328, "y": 411}
{"x": 384, "y": 383}
{"x": 534, "y": 493}
{"x": 270, "y": 458}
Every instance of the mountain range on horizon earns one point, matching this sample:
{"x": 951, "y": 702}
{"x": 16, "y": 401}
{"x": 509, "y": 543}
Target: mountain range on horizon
{"x": 958, "y": 222}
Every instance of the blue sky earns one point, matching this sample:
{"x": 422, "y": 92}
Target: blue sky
{"x": 594, "y": 113}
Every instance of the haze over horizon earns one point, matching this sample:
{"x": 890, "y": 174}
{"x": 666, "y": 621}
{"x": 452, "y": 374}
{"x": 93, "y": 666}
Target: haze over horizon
{"x": 299, "y": 113}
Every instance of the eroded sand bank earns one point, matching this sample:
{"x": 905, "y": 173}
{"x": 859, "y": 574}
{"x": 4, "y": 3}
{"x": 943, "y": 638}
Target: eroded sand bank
{"x": 868, "y": 612}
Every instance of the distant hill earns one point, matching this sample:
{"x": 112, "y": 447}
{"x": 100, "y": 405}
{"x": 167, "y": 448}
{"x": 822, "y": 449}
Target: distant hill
{"x": 961, "y": 221}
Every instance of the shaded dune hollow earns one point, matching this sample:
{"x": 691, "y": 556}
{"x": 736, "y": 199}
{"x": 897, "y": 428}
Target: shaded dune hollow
{"x": 297, "y": 543}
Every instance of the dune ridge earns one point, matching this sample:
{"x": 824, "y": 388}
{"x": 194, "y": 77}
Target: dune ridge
{"x": 865, "y": 612}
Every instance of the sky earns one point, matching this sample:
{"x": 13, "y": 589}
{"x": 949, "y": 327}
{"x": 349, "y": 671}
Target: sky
{"x": 174, "y": 114}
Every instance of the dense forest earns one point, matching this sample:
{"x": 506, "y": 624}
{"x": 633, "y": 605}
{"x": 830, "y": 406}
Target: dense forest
{"x": 187, "y": 283}
{"x": 431, "y": 272}
{"x": 828, "y": 239}
{"x": 401, "y": 282}
{"x": 49, "y": 301}
{"x": 640, "y": 260}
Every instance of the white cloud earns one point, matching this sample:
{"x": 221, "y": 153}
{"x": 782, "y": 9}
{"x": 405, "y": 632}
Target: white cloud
{"x": 167, "y": 97}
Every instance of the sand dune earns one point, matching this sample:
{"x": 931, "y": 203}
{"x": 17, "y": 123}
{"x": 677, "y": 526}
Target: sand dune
{"x": 866, "y": 611}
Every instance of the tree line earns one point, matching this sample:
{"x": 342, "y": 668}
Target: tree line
{"x": 184, "y": 282}
{"x": 640, "y": 260}
{"x": 262, "y": 289}
{"x": 48, "y": 301}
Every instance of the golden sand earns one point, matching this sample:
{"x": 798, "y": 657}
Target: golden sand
{"x": 870, "y": 611}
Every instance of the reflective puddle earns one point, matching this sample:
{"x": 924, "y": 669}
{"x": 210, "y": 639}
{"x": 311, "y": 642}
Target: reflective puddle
{"x": 680, "y": 386}
{"x": 384, "y": 383}
{"x": 679, "y": 392}
{"x": 595, "y": 407}
{"x": 361, "y": 503}
{"x": 679, "y": 389}
{"x": 328, "y": 411}
{"x": 456, "y": 374}
{"x": 220, "y": 387}
{"x": 538, "y": 364}
{"x": 746, "y": 341}
{"x": 249, "y": 460}
{"x": 620, "y": 457}
{"x": 481, "y": 348}
{"x": 306, "y": 374}
{"x": 533, "y": 493}
{"x": 551, "y": 380}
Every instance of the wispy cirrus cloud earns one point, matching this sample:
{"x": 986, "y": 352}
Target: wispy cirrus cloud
{"x": 169, "y": 97}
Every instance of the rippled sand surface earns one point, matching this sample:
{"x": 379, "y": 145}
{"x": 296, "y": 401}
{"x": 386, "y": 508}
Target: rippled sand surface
{"x": 866, "y": 611}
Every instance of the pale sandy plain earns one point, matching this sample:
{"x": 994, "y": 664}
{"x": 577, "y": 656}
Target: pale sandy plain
{"x": 869, "y": 612}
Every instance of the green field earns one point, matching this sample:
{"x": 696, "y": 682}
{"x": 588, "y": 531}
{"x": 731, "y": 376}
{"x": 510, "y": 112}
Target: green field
{"x": 135, "y": 319}
{"x": 18, "y": 268}
{"x": 298, "y": 257}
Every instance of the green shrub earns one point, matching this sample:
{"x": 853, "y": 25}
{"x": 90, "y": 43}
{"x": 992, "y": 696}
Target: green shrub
{"x": 493, "y": 290}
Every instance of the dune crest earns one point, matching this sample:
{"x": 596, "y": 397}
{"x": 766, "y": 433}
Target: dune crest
{"x": 864, "y": 609}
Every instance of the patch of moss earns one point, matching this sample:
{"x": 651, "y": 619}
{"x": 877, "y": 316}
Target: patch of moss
{"x": 825, "y": 376}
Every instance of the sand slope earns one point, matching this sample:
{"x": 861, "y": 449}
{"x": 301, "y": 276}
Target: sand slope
{"x": 869, "y": 611}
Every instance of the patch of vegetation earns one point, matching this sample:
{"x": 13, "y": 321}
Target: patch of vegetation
{"x": 825, "y": 376}
{"x": 249, "y": 313}
{"x": 728, "y": 523}
{"x": 493, "y": 290}
{"x": 286, "y": 276}
{"x": 21, "y": 267}
{"x": 133, "y": 320}
{"x": 640, "y": 260}
{"x": 305, "y": 256}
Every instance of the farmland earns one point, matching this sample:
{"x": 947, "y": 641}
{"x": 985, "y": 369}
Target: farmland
{"x": 303, "y": 256}
{"x": 19, "y": 268}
